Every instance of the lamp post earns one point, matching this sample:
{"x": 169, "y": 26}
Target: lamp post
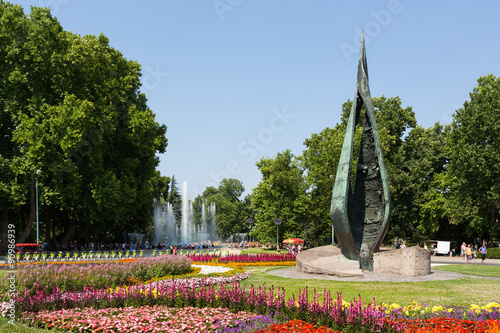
{"x": 330, "y": 223}
{"x": 333, "y": 235}
{"x": 277, "y": 222}
{"x": 37, "y": 222}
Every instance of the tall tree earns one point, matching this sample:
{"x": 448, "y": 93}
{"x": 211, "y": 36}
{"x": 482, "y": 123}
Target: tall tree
{"x": 320, "y": 159}
{"x": 474, "y": 167}
{"x": 417, "y": 183}
{"x": 231, "y": 189}
{"x": 175, "y": 198}
{"x": 229, "y": 208}
{"x": 231, "y": 218}
{"x": 73, "y": 109}
{"x": 160, "y": 186}
{"x": 281, "y": 193}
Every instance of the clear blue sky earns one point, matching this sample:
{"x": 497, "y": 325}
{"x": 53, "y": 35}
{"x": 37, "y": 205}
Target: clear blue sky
{"x": 236, "y": 80}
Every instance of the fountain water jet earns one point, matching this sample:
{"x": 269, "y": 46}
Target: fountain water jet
{"x": 168, "y": 230}
{"x": 185, "y": 215}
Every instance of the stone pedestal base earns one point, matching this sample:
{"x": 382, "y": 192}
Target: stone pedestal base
{"x": 410, "y": 261}
{"x": 327, "y": 260}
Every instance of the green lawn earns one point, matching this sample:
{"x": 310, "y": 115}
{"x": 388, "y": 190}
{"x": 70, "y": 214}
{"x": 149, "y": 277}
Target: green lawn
{"x": 461, "y": 292}
{"x": 476, "y": 269}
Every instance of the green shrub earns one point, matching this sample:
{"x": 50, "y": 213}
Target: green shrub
{"x": 493, "y": 253}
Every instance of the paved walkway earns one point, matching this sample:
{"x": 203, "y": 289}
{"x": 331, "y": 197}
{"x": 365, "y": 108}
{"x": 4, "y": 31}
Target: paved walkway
{"x": 457, "y": 260}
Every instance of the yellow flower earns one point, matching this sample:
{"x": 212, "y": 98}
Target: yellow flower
{"x": 492, "y": 305}
{"x": 437, "y": 308}
{"x": 394, "y": 306}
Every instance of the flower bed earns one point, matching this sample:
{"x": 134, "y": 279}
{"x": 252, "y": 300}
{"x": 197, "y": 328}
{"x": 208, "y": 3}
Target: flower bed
{"x": 424, "y": 311}
{"x": 250, "y": 264}
{"x": 65, "y": 277}
{"x": 334, "y": 313}
{"x": 155, "y": 318}
{"x": 243, "y": 258}
{"x": 451, "y": 325}
{"x": 170, "y": 293}
{"x": 293, "y": 326}
{"x": 65, "y": 262}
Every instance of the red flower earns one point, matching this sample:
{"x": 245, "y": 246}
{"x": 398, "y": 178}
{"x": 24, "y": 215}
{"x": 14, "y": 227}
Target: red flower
{"x": 296, "y": 326}
{"x": 451, "y": 325}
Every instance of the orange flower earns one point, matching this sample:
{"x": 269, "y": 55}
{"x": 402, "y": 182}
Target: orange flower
{"x": 451, "y": 325}
{"x": 294, "y": 326}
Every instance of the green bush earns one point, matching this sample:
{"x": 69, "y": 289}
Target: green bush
{"x": 493, "y": 253}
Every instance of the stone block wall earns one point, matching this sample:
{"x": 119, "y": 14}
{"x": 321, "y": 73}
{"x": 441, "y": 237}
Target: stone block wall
{"x": 410, "y": 261}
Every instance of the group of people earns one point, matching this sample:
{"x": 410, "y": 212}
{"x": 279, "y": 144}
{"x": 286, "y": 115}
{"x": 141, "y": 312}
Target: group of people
{"x": 467, "y": 251}
{"x": 291, "y": 249}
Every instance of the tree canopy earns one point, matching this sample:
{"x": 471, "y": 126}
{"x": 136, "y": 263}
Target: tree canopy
{"x": 231, "y": 211}
{"x": 280, "y": 194}
{"x": 71, "y": 107}
{"x": 474, "y": 166}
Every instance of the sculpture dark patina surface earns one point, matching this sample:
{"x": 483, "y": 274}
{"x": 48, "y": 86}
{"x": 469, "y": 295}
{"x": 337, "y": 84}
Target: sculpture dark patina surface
{"x": 361, "y": 214}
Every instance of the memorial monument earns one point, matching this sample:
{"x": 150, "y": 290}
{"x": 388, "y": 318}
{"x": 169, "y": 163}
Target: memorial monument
{"x": 361, "y": 207}
{"x": 361, "y": 214}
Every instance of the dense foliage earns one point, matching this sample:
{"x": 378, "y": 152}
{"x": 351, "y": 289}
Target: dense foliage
{"x": 442, "y": 179}
{"x": 71, "y": 107}
{"x": 232, "y": 211}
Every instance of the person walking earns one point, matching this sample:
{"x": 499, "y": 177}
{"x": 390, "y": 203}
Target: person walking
{"x": 468, "y": 253}
{"x": 483, "y": 251}
{"x": 463, "y": 249}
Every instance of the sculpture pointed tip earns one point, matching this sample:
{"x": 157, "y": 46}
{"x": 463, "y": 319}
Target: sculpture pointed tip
{"x": 362, "y": 52}
{"x": 362, "y": 66}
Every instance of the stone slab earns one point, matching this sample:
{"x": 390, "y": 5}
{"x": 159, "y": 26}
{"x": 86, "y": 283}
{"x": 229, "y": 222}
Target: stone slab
{"x": 410, "y": 261}
{"x": 327, "y": 260}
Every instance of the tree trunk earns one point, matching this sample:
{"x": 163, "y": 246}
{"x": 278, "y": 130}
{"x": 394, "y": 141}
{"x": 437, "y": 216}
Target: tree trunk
{"x": 68, "y": 234}
{"x": 4, "y": 237}
{"x": 27, "y": 230}
{"x": 48, "y": 220}
{"x": 52, "y": 239}
{"x": 493, "y": 223}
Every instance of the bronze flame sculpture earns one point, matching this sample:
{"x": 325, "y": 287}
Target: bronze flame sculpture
{"x": 361, "y": 215}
